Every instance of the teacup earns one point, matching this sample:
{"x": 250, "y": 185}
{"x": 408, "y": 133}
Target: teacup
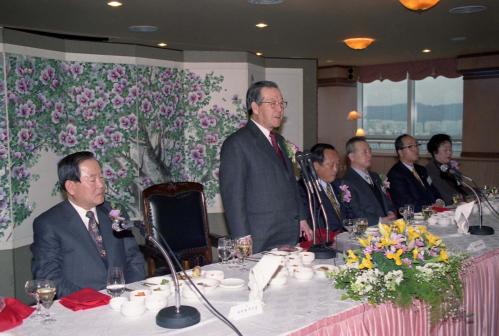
{"x": 307, "y": 257}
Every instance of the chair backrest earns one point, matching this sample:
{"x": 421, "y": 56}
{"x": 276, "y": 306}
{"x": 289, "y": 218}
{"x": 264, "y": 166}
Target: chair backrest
{"x": 178, "y": 211}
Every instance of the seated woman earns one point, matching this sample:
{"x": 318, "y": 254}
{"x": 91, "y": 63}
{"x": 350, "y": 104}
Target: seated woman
{"x": 440, "y": 148}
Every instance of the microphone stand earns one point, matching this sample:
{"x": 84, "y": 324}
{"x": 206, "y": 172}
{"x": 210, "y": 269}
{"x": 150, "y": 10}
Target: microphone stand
{"x": 310, "y": 192}
{"x": 481, "y": 230}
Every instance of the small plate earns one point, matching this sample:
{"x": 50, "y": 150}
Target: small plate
{"x": 232, "y": 283}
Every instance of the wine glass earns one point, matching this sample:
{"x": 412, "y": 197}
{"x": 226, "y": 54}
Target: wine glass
{"x": 46, "y": 293}
{"x": 31, "y": 287}
{"x": 427, "y": 211}
{"x": 360, "y": 226}
{"x": 244, "y": 247}
{"x": 115, "y": 281}
{"x": 348, "y": 225}
{"x": 223, "y": 249}
{"x": 407, "y": 211}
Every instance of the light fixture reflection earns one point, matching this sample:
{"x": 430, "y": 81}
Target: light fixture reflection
{"x": 359, "y": 43}
{"x": 360, "y": 132}
{"x": 353, "y": 115}
{"x": 426, "y": 51}
{"x": 418, "y": 5}
{"x": 114, "y": 3}
{"x": 162, "y": 44}
{"x": 261, "y": 25}
{"x": 259, "y": 53}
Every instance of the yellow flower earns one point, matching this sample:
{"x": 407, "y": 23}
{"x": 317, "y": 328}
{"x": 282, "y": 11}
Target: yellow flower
{"x": 366, "y": 262}
{"x": 385, "y": 230}
{"x": 400, "y": 224}
{"x": 396, "y": 257}
{"x": 433, "y": 240}
{"x": 412, "y": 233}
{"x": 351, "y": 258}
{"x": 443, "y": 256}
{"x": 422, "y": 229}
{"x": 415, "y": 253}
{"x": 365, "y": 242}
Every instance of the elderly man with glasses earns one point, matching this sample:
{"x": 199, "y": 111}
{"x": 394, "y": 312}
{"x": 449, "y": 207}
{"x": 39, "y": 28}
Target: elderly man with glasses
{"x": 409, "y": 182}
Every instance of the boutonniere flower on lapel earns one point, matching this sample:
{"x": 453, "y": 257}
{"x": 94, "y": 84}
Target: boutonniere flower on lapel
{"x": 115, "y": 215}
{"x": 385, "y": 184}
{"x": 291, "y": 150}
{"x": 454, "y": 164}
{"x": 346, "y": 195}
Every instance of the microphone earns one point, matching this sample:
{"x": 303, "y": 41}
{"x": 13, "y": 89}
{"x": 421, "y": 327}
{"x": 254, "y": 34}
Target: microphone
{"x": 122, "y": 224}
{"x": 454, "y": 172}
{"x": 301, "y": 156}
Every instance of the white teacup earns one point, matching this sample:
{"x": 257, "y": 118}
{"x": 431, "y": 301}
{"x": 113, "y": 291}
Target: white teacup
{"x": 307, "y": 257}
{"x": 304, "y": 273}
{"x": 139, "y": 295}
{"x": 116, "y": 302}
{"x": 133, "y": 308}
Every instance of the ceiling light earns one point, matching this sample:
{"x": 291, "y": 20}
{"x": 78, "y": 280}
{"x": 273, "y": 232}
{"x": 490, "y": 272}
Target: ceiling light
{"x": 265, "y": 2}
{"x": 329, "y": 61}
{"x": 358, "y": 43}
{"x": 142, "y": 29}
{"x": 114, "y": 3}
{"x": 162, "y": 44}
{"x": 360, "y": 132}
{"x": 418, "y": 5}
{"x": 467, "y": 9}
{"x": 353, "y": 115}
{"x": 262, "y": 25}
{"x": 259, "y": 53}
{"x": 458, "y": 38}
{"x": 426, "y": 51}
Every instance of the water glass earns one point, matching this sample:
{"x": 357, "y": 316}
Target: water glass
{"x": 115, "y": 281}
{"x": 224, "y": 247}
{"x": 244, "y": 249}
{"x": 348, "y": 224}
{"x": 427, "y": 211}
{"x": 46, "y": 293}
{"x": 407, "y": 211}
{"x": 31, "y": 287}
{"x": 360, "y": 226}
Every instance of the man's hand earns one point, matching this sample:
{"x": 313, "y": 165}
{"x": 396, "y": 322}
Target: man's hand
{"x": 307, "y": 232}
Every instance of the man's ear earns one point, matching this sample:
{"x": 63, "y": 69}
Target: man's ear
{"x": 70, "y": 187}
{"x": 254, "y": 108}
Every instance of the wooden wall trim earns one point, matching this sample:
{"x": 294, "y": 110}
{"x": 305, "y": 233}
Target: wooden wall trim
{"x": 486, "y": 155}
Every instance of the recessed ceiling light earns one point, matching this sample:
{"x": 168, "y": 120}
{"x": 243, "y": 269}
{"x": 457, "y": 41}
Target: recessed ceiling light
{"x": 143, "y": 29}
{"x": 467, "y": 9}
{"x": 262, "y": 25}
{"x": 114, "y": 4}
{"x": 426, "y": 51}
{"x": 259, "y": 53}
{"x": 265, "y": 2}
{"x": 162, "y": 44}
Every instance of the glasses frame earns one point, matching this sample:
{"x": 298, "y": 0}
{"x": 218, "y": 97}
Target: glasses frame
{"x": 273, "y": 104}
{"x": 411, "y": 146}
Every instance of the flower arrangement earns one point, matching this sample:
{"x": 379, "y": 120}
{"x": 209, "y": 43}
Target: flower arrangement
{"x": 385, "y": 184}
{"x": 291, "y": 149}
{"x": 400, "y": 264}
{"x": 346, "y": 195}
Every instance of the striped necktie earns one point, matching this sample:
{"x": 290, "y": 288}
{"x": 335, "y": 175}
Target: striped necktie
{"x": 413, "y": 170}
{"x": 93, "y": 230}
{"x": 334, "y": 201}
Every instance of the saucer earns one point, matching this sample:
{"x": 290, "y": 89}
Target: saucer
{"x": 232, "y": 283}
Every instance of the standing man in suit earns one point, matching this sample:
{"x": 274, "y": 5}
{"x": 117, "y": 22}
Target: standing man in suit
{"x": 257, "y": 182}
{"x": 74, "y": 243}
{"x": 326, "y": 162}
{"x": 369, "y": 199}
{"x": 409, "y": 182}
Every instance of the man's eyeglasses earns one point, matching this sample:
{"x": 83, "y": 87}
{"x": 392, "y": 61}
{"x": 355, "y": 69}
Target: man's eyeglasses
{"x": 411, "y": 146}
{"x": 274, "y": 104}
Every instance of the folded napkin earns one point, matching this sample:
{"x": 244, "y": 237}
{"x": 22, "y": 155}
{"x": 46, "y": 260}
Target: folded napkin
{"x": 85, "y": 298}
{"x": 13, "y": 313}
{"x": 320, "y": 236}
{"x": 261, "y": 274}
{"x": 461, "y": 216}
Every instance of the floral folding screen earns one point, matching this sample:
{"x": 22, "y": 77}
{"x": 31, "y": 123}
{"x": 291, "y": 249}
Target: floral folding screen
{"x": 146, "y": 125}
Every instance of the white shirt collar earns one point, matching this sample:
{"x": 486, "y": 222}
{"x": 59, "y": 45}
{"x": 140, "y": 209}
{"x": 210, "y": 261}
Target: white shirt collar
{"x": 363, "y": 174}
{"x": 265, "y": 131}
{"x": 410, "y": 167}
{"x": 83, "y": 213}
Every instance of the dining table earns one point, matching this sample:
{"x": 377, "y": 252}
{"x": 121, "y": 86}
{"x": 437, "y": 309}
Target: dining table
{"x": 309, "y": 307}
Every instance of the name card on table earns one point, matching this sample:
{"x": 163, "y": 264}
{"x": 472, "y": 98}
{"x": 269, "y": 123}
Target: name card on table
{"x": 476, "y": 246}
{"x": 245, "y": 309}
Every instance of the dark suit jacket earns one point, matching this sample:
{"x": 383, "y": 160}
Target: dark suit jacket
{"x": 335, "y": 223}
{"x": 259, "y": 192}
{"x": 406, "y": 189}
{"x": 364, "y": 202}
{"x": 63, "y": 250}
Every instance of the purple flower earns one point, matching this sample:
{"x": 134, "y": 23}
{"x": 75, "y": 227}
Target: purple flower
{"x": 25, "y": 135}
{"x": 108, "y": 130}
{"x": 82, "y": 99}
{"x": 76, "y": 69}
{"x": 47, "y": 75}
{"x": 26, "y": 110}
{"x": 346, "y": 195}
{"x": 146, "y": 181}
{"x": 18, "y": 155}
{"x": 89, "y": 93}
{"x": 117, "y": 137}
{"x": 166, "y": 111}
{"x": 20, "y": 172}
{"x": 54, "y": 84}
{"x": 134, "y": 91}
{"x": 98, "y": 142}
{"x": 23, "y": 85}
{"x": 59, "y": 107}
{"x": 88, "y": 114}
{"x": 71, "y": 129}
{"x": 118, "y": 88}
{"x": 122, "y": 172}
{"x": 193, "y": 98}
{"x": 146, "y": 106}
{"x": 117, "y": 102}
{"x": 100, "y": 103}
{"x": 177, "y": 158}
{"x": 108, "y": 172}
{"x": 204, "y": 122}
{"x": 133, "y": 120}
{"x": 211, "y": 138}
{"x": 70, "y": 141}
{"x": 454, "y": 164}
{"x": 3, "y": 152}
{"x": 124, "y": 123}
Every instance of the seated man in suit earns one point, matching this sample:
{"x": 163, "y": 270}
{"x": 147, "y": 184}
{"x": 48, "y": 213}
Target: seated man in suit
{"x": 326, "y": 163}
{"x": 74, "y": 244}
{"x": 409, "y": 182}
{"x": 368, "y": 199}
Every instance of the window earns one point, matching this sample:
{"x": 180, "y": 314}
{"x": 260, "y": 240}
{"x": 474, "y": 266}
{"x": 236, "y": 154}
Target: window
{"x": 420, "y": 108}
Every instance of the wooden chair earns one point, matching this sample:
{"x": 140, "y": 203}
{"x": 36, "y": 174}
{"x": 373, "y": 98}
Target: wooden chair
{"x": 178, "y": 211}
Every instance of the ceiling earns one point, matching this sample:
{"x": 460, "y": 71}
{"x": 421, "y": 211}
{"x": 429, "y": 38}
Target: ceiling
{"x": 297, "y": 28}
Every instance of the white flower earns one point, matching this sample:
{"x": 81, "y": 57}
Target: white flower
{"x": 393, "y": 279}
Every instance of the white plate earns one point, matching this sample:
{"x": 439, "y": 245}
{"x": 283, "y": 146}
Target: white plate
{"x": 232, "y": 283}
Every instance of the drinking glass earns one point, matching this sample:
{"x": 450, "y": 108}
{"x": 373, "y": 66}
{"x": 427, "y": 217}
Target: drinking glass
{"x": 456, "y": 199}
{"x": 115, "y": 281}
{"x": 407, "y": 211}
{"x": 31, "y": 288}
{"x": 348, "y": 224}
{"x": 231, "y": 248}
{"x": 427, "y": 211}
{"x": 360, "y": 226}
{"x": 244, "y": 249}
{"x": 224, "y": 249}
{"x": 46, "y": 292}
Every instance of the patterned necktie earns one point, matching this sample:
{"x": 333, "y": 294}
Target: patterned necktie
{"x": 94, "y": 231}
{"x": 417, "y": 176}
{"x": 334, "y": 201}
{"x": 276, "y": 146}
{"x": 369, "y": 180}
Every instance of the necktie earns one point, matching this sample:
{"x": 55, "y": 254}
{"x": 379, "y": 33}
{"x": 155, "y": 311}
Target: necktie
{"x": 334, "y": 201}
{"x": 94, "y": 231}
{"x": 368, "y": 179}
{"x": 276, "y": 146}
{"x": 417, "y": 176}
